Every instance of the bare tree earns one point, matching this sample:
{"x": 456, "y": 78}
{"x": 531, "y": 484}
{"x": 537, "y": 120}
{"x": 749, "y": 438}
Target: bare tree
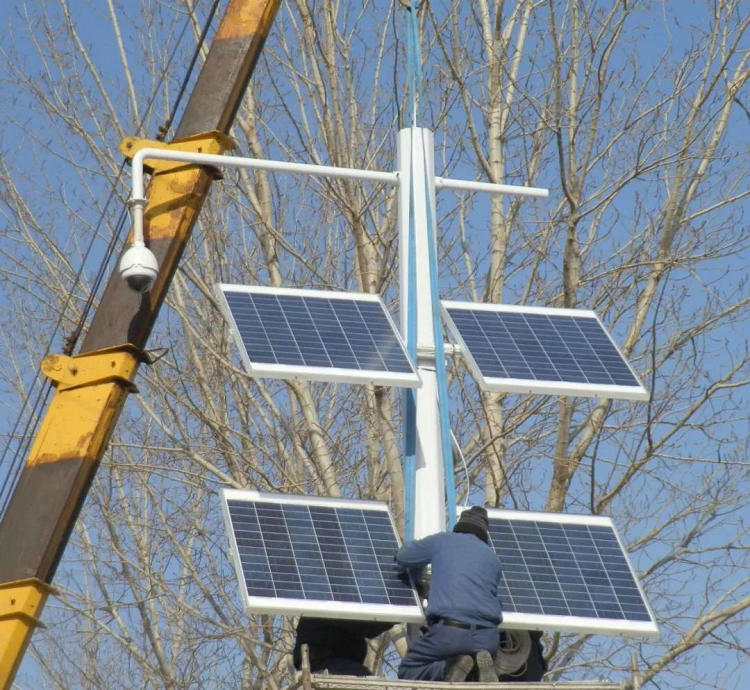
{"x": 632, "y": 113}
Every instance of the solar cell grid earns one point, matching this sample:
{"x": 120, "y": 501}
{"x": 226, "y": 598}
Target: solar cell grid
{"x": 573, "y": 570}
{"x": 317, "y": 335}
{"x": 528, "y": 349}
{"x": 327, "y": 560}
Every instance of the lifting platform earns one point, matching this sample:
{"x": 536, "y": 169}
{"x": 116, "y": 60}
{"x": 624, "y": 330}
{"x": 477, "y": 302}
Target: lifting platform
{"x": 308, "y": 681}
{"x": 322, "y": 681}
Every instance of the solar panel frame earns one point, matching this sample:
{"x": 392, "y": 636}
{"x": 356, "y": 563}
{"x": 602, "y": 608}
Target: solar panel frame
{"x": 519, "y": 620}
{"x": 507, "y": 384}
{"x": 382, "y": 376}
{"x": 323, "y": 608}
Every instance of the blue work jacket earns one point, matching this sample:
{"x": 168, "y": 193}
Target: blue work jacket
{"x": 465, "y": 576}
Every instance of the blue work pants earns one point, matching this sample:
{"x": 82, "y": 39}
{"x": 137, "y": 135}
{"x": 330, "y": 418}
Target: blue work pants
{"x": 427, "y": 655}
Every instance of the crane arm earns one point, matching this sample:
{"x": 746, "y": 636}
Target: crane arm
{"x": 91, "y": 387}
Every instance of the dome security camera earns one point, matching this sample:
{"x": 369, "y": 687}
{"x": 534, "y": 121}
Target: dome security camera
{"x": 138, "y": 267}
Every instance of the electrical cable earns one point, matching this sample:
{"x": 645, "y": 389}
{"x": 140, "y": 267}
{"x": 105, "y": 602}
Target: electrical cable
{"x": 33, "y": 418}
{"x": 457, "y": 448}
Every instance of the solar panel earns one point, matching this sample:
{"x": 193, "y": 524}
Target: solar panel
{"x": 541, "y": 350}
{"x": 331, "y": 558}
{"x": 567, "y": 573}
{"x": 316, "y": 335}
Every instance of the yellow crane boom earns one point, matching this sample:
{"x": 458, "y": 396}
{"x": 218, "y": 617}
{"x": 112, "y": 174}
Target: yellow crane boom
{"x": 92, "y": 386}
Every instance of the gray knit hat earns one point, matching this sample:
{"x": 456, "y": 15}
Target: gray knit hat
{"x": 474, "y": 521}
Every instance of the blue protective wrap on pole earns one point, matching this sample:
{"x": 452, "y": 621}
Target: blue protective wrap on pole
{"x": 410, "y": 460}
{"x": 440, "y": 372}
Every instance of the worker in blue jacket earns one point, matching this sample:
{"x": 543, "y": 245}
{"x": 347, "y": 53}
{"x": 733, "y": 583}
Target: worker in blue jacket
{"x": 463, "y": 609}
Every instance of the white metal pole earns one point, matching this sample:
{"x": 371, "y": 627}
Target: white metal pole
{"x": 416, "y": 170}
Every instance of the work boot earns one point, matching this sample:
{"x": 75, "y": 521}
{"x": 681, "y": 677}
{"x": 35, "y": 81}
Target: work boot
{"x": 458, "y": 667}
{"x": 486, "y": 667}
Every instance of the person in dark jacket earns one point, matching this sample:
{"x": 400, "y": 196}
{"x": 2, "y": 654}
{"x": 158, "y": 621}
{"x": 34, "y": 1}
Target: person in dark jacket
{"x": 336, "y": 646}
{"x": 463, "y": 607}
